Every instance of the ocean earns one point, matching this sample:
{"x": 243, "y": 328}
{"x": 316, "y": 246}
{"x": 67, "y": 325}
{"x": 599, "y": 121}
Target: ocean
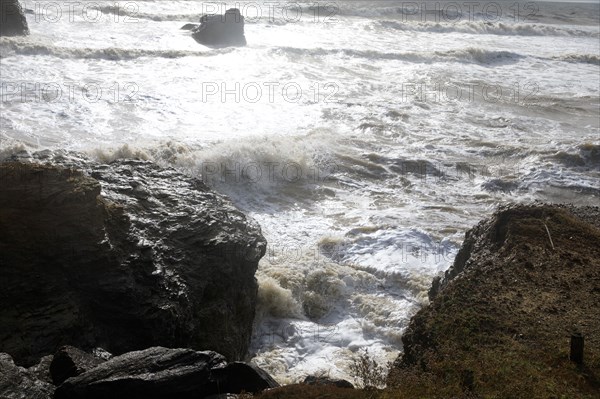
{"x": 365, "y": 137}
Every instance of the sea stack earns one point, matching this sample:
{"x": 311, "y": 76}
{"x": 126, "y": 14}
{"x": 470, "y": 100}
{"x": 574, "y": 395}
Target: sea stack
{"x": 220, "y": 31}
{"x": 12, "y": 19}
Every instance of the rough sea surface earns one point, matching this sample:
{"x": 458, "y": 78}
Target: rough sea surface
{"x": 364, "y": 136}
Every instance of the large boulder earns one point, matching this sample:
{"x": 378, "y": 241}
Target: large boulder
{"x": 161, "y": 373}
{"x": 122, "y": 256}
{"x": 69, "y": 361}
{"x": 221, "y": 30}
{"x": 12, "y": 19}
{"x": 19, "y": 383}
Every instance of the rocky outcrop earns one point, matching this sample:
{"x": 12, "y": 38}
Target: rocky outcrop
{"x": 122, "y": 256}
{"x": 499, "y": 321}
{"x": 12, "y": 19}
{"x": 161, "y": 373}
{"x": 18, "y": 383}
{"x": 482, "y": 242}
{"x": 220, "y": 31}
{"x": 154, "y": 373}
{"x": 69, "y": 362}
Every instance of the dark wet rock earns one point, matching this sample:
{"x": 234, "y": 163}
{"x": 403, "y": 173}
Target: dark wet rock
{"x": 151, "y": 373}
{"x": 69, "y": 362}
{"x": 19, "y": 383}
{"x": 157, "y": 259}
{"x": 220, "y": 31}
{"x": 12, "y": 19}
{"x": 313, "y": 380}
{"x": 189, "y": 26}
{"x": 237, "y": 377}
{"x": 158, "y": 372}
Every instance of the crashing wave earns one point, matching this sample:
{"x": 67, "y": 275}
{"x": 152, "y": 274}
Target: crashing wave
{"x": 491, "y": 28}
{"x": 135, "y": 14}
{"x": 593, "y": 59}
{"x": 16, "y": 47}
{"x": 470, "y": 54}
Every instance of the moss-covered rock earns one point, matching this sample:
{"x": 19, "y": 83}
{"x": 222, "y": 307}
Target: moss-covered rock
{"x": 500, "y": 320}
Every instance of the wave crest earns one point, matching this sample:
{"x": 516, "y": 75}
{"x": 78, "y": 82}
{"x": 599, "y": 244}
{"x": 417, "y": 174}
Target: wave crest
{"x": 490, "y": 28}
{"x": 275, "y": 301}
{"x": 470, "y": 54}
{"x": 18, "y": 47}
{"x": 593, "y": 59}
{"x": 135, "y": 14}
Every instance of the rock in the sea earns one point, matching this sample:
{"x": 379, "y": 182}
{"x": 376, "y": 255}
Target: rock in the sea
{"x": 19, "y": 383}
{"x": 220, "y": 31}
{"x": 161, "y": 373}
{"x": 157, "y": 259}
{"x": 189, "y": 26}
{"x": 12, "y": 19}
{"x": 69, "y": 362}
